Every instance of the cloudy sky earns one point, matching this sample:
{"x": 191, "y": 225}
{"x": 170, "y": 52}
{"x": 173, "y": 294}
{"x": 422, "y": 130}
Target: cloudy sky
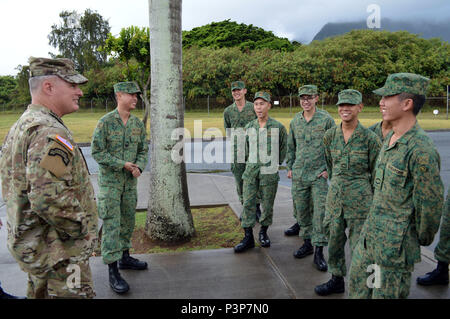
{"x": 25, "y": 25}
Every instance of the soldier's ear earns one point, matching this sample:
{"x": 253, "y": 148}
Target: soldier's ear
{"x": 407, "y": 105}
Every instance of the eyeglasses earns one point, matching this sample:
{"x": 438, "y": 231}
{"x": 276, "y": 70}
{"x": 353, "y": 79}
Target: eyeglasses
{"x": 307, "y": 98}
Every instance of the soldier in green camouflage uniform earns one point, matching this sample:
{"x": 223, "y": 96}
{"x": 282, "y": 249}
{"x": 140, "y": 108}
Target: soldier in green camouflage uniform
{"x": 261, "y": 173}
{"x": 351, "y": 151}
{"x": 308, "y": 169}
{"x": 235, "y": 118}
{"x": 51, "y": 210}
{"x": 439, "y": 276}
{"x": 408, "y": 197}
{"x": 120, "y": 147}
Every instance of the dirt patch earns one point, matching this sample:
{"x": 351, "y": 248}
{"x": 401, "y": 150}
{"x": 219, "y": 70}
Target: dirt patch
{"x": 214, "y": 228}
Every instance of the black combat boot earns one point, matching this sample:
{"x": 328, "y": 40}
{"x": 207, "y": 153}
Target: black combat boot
{"x": 117, "y": 283}
{"x": 4, "y": 295}
{"x": 335, "y": 285}
{"x": 294, "y": 230}
{"x": 305, "y": 250}
{"x": 439, "y": 276}
{"x": 263, "y": 238}
{"x": 128, "y": 262}
{"x": 319, "y": 261}
{"x": 258, "y": 212}
{"x": 246, "y": 243}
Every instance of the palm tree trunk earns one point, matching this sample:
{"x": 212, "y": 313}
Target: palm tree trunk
{"x": 169, "y": 216}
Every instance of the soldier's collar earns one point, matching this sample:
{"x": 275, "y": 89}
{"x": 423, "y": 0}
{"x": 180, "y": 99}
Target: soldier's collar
{"x": 47, "y": 110}
{"x": 407, "y": 136}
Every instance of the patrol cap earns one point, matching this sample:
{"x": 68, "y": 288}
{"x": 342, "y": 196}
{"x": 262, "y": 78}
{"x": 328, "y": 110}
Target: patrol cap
{"x": 404, "y": 83}
{"x": 308, "y": 90}
{"x": 238, "y": 85}
{"x": 349, "y": 97}
{"x": 62, "y": 67}
{"x": 127, "y": 87}
{"x": 262, "y": 95}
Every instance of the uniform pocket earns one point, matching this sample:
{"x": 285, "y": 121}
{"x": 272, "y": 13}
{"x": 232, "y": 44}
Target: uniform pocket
{"x": 390, "y": 236}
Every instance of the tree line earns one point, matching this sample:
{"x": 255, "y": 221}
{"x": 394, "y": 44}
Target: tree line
{"x": 221, "y": 52}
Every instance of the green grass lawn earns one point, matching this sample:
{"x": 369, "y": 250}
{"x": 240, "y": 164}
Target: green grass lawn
{"x": 82, "y": 123}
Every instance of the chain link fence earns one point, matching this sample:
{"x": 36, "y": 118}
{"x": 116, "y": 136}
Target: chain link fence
{"x": 215, "y": 104}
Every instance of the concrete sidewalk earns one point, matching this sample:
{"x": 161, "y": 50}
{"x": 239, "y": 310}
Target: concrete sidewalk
{"x": 259, "y": 273}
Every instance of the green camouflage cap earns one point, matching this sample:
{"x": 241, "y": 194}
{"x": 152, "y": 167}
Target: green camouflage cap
{"x": 238, "y": 85}
{"x": 308, "y": 90}
{"x": 262, "y": 95}
{"x": 349, "y": 97}
{"x": 127, "y": 87}
{"x": 404, "y": 83}
{"x": 64, "y": 68}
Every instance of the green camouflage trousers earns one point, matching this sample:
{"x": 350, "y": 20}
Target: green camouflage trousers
{"x": 254, "y": 189}
{"x": 337, "y": 239}
{"x": 391, "y": 283}
{"x": 442, "y": 250}
{"x": 238, "y": 169}
{"x": 62, "y": 282}
{"x": 310, "y": 218}
{"x": 117, "y": 209}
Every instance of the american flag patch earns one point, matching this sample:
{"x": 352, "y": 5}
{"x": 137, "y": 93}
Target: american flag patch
{"x": 64, "y": 142}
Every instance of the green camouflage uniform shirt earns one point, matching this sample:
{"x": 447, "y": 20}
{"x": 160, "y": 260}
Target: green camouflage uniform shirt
{"x": 350, "y": 167}
{"x": 233, "y": 119}
{"x": 257, "y": 181}
{"x": 405, "y": 214}
{"x": 51, "y": 209}
{"x": 114, "y": 144}
{"x": 306, "y": 153}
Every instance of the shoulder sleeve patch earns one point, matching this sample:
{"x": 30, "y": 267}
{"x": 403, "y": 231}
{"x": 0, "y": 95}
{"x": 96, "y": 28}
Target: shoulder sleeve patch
{"x": 64, "y": 142}
{"x": 56, "y": 159}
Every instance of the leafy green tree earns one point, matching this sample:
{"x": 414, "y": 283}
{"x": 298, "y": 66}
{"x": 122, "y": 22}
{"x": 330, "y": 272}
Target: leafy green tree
{"x": 7, "y": 86}
{"x": 226, "y": 34}
{"x": 78, "y": 38}
{"x": 132, "y": 46}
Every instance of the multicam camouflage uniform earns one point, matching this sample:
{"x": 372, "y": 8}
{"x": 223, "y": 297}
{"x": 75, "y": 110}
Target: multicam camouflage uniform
{"x": 256, "y": 180}
{"x": 52, "y": 215}
{"x": 235, "y": 119}
{"x": 114, "y": 144}
{"x": 51, "y": 210}
{"x": 350, "y": 167}
{"x": 306, "y": 160}
{"x": 406, "y": 207}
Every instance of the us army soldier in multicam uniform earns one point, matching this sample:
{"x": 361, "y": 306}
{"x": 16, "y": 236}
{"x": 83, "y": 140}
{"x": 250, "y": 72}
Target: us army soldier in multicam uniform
{"x": 120, "y": 147}
{"x": 236, "y": 117}
{"x": 351, "y": 151}
{"x": 439, "y": 276}
{"x": 51, "y": 210}
{"x": 261, "y": 173}
{"x": 407, "y": 200}
{"x": 308, "y": 169}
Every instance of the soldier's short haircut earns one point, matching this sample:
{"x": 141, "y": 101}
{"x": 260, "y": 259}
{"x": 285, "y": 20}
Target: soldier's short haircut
{"x": 418, "y": 101}
{"x": 36, "y": 81}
